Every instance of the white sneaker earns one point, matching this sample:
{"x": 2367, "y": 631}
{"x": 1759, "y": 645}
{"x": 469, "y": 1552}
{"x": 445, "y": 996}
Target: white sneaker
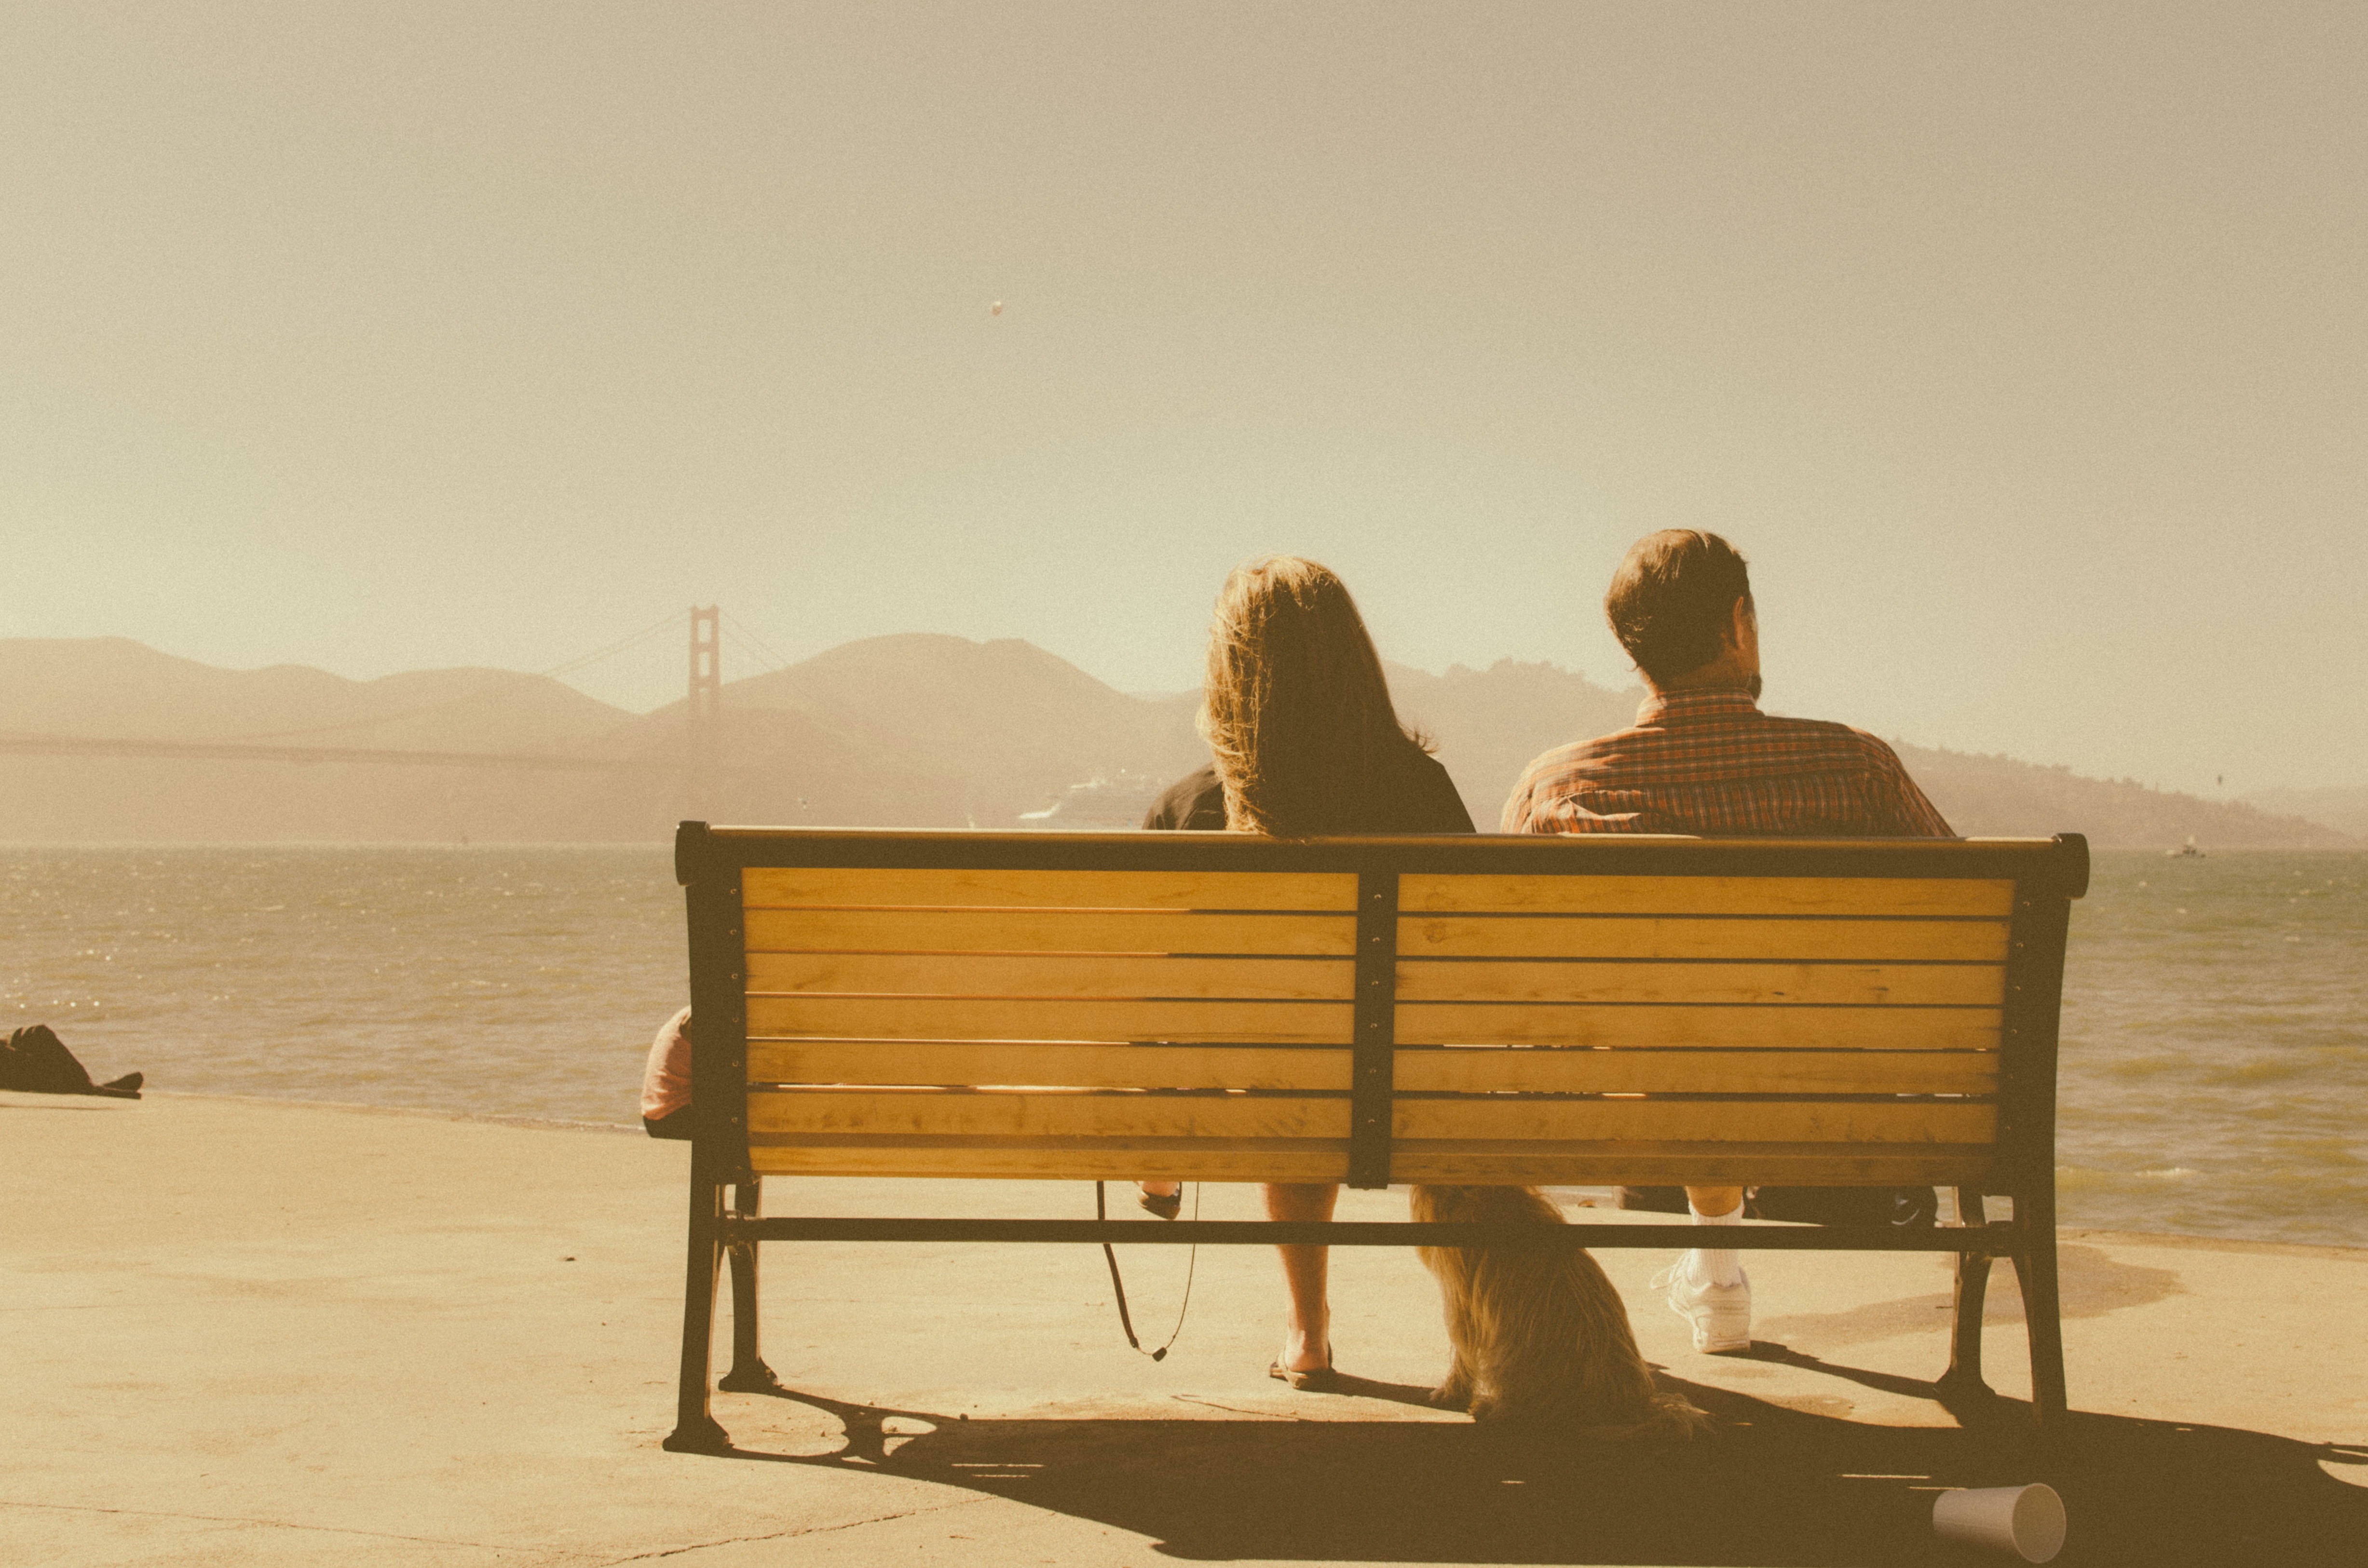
{"x": 1721, "y": 1315}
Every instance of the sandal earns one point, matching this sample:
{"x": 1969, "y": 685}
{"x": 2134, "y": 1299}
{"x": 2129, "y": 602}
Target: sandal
{"x": 1166, "y": 1205}
{"x": 1317, "y": 1380}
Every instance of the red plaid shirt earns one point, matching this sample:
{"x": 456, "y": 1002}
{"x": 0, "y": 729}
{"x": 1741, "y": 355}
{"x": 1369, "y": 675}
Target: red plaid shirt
{"x": 1709, "y": 762}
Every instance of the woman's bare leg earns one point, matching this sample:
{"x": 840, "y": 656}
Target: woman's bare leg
{"x": 1307, "y": 1334}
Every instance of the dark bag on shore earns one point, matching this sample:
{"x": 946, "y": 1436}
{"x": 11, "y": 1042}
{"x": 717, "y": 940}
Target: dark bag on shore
{"x": 37, "y": 1059}
{"x": 1910, "y": 1206}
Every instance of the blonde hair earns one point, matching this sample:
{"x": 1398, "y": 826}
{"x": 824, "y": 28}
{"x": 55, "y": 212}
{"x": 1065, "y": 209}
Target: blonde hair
{"x": 1295, "y": 706}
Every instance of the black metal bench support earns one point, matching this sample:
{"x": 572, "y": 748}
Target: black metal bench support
{"x": 2034, "y": 1271}
{"x": 2029, "y": 1242}
{"x": 1964, "y": 1373}
{"x": 695, "y": 1428}
{"x": 1374, "y": 1056}
{"x": 1997, "y": 1240}
{"x": 748, "y": 1374}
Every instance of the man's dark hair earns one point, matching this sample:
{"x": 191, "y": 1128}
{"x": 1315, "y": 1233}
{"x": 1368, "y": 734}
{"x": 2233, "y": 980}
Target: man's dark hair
{"x": 1672, "y": 599}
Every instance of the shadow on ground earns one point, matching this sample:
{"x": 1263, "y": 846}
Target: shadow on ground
{"x": 2094, "y": 1284}
{"x": 1778, "y": 1486}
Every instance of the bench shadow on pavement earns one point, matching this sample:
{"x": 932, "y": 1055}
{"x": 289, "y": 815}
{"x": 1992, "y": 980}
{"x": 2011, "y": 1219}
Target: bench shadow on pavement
{"x": 1777, "y": 1486}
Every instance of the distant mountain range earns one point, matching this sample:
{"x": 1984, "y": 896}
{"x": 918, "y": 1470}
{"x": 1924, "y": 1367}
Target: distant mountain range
{"x": 916, "y": 731}
{"x": 2344, "y": 810}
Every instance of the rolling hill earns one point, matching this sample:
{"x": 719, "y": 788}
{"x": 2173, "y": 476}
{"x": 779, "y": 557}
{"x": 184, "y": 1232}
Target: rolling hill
{"x": 115, "y": 688}
{"x": 917, "y": 730}
{"x": 2344, "y": 810}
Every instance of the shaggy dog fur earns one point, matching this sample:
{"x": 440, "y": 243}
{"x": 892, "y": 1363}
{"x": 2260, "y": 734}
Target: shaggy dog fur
{"x": 1539, "y": 1334}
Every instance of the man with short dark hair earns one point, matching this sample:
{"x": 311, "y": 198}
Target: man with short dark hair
{"x": 1703, "y": 759}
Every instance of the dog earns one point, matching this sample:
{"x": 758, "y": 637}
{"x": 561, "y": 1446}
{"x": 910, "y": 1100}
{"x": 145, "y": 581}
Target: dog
{"x": 1540, "y": 1335}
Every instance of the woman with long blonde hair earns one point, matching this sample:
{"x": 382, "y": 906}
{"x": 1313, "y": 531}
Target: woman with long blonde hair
{"x": 1305, "y": 741}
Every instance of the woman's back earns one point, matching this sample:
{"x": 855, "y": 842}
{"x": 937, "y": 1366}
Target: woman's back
{"x": 1409, "y": 793}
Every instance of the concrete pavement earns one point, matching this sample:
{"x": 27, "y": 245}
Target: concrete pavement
{"x": 238, "y": 1332}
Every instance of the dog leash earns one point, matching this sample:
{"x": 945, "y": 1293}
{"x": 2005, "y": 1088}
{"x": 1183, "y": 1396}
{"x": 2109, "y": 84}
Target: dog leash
{"x": 1191, "y": 1267}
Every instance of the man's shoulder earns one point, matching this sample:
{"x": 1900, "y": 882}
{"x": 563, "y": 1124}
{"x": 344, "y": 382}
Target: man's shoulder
{"x": 1845, "y": 740}
{"x": 1744, "y": 731}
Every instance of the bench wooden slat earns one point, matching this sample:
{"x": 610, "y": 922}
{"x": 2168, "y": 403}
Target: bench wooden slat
{"x": 1016, "y": 1113}
{"x": 1545, "y": 1023}
{"x": 1450, "y": 1070}
{"x": 1650, "y": 1164}
{"x": 1861, "y": 896}
{"x": 807, "y": 887}
{"x": 1047, "y": 931}
{"x": 1118, "y": 975}
{"x": 1248, "y": 1160}
{"x": 936, "y": 1018}
{"x": 1085, "y": 1066}
{"x": 1057, "y": 1159}
{"x": 1487, "y": 980}
{"x": 1694, "y": 984}
{"x": 1479, "y": 1070}
{"x": 1707, "y": 937}
{"x": 1785, "y": 1122}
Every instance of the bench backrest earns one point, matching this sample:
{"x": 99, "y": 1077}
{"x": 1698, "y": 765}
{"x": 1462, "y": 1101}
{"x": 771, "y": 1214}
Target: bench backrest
{"x": 1454, "y": 1009}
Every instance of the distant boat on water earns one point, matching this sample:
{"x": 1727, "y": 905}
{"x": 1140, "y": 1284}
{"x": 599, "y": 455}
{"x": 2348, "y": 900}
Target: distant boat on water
{"x": 2187, "y": 853}
{"x": 1101, "y": 805}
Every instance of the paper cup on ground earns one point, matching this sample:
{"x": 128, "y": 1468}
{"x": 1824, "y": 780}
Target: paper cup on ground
{"x": 2026, "y": 1520}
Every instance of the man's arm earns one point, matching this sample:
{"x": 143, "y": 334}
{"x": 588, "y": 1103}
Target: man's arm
{"x": 1515, "y": 817}
{"x": 1544, "y": 784}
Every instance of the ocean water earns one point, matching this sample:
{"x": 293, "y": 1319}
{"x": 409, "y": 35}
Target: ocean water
{"x": 2214, "y": 1077}
{"x": 521, "y": 980}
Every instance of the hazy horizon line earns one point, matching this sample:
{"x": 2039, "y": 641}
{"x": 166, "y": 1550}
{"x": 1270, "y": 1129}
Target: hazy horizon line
{"x": 1178, "y": 694}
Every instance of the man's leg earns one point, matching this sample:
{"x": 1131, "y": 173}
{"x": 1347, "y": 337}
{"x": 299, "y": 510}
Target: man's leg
{"x": 1307, "y": 1335}
{"x": 1716, "y": 1206}
{"x": 1707, "y": 1286}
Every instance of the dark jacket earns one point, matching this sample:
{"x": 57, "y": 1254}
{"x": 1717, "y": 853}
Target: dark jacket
{"x": 1416, "y": 797}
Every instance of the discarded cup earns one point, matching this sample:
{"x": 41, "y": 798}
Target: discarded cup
{"x": 2026, "y": 1520}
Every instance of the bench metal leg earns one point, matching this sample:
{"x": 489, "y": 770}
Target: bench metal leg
{"x": 695, "y": 1429}
{"x": 1964, "y": 1373}
{"x": 748, "y": 1374}
{"x": 2034, "y": 1271}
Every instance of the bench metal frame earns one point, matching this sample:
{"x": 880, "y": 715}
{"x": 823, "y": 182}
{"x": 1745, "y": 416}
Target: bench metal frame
{"x": 2047, "y": 873}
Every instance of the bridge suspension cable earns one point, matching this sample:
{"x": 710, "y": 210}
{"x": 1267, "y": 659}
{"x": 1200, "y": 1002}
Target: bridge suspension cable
{"x": 752, "y": 643}
{"x": 619, "y": 646}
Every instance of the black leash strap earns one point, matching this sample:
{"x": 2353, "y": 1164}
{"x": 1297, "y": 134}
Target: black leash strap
{"x": 1101, "y": 1211}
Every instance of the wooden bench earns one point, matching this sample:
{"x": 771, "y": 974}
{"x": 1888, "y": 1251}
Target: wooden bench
{"x": 1478, "y": 1010}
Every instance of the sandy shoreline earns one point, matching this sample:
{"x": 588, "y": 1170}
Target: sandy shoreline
{"x": 249, "y": 1331}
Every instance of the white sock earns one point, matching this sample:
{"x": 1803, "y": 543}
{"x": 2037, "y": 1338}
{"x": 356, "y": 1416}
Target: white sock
{"x": 1715, "y": 1266}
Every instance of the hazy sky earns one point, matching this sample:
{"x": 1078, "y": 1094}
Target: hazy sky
{"x": 2022, "y": 348}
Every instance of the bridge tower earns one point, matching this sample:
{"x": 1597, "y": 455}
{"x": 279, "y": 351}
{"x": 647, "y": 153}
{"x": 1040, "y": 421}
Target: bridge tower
{"x": 703, "y": 715}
